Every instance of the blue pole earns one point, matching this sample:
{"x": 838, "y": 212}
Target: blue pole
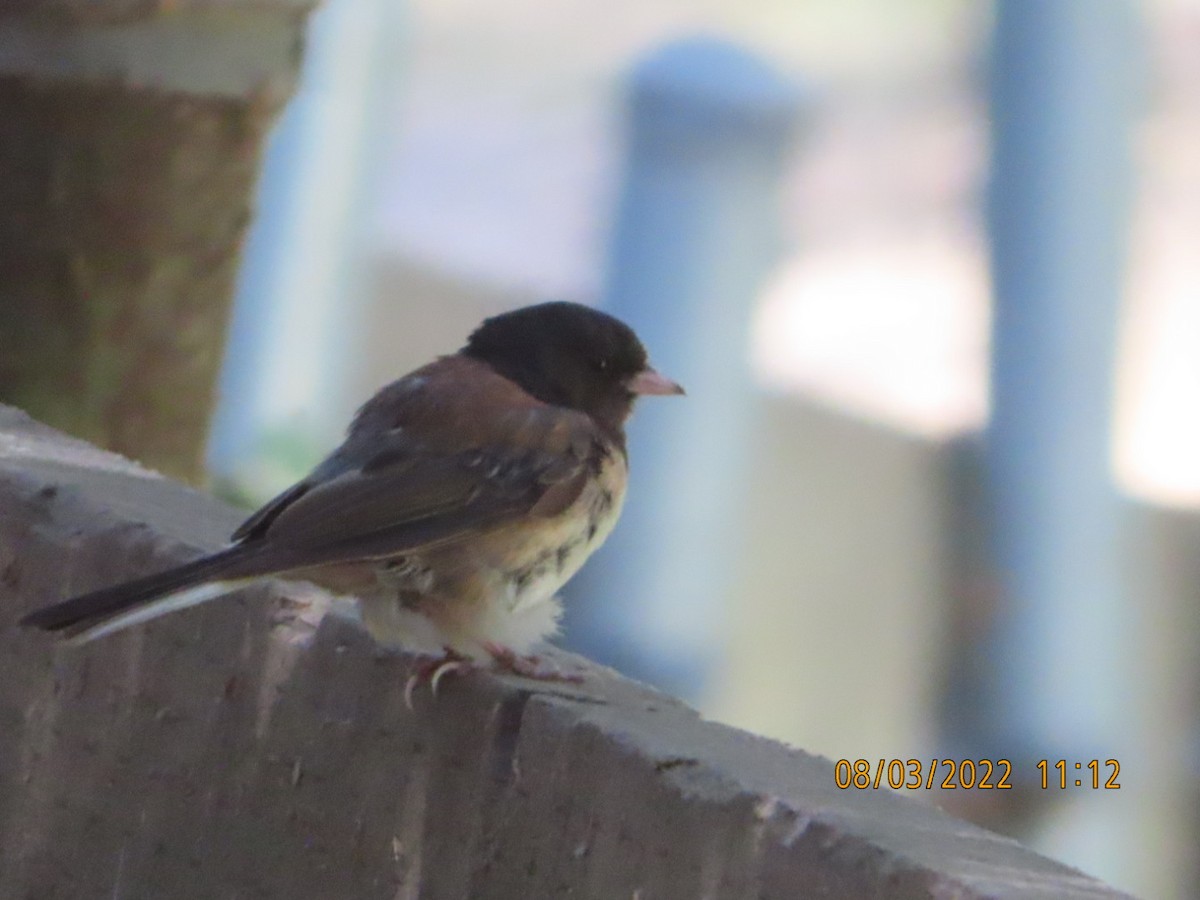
{"x": 300, "y": 281}
{"x": 1063, "y": 89}
{"x": 696, "y": 233}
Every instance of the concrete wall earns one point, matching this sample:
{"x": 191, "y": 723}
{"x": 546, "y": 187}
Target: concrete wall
{"x": 258, "y": 748}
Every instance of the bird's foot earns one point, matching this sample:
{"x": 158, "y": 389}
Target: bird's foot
{"x": 533, "y": 667}
{"x": 433, "y": 670}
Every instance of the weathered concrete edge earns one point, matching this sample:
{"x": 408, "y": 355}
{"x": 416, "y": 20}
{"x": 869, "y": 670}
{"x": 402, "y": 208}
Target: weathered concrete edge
{"x": 230, "y": 51}
{"x": 89, "y": 12}
{"x": 807, "y": 829}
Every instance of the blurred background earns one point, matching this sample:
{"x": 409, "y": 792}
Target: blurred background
{"x": 929, "y": 274}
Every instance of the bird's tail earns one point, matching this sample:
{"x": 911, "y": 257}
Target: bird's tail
{"x": 102, "y": 612}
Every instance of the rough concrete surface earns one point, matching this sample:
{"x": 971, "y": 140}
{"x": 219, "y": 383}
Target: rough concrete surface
{"x": 254, "y": 747}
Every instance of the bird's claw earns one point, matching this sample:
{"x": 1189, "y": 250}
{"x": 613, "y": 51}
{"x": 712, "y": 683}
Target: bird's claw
{"x": 434, "y": 670}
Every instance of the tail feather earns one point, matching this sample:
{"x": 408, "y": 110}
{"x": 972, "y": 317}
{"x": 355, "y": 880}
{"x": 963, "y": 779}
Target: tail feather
{"x": 89, "y": 629}
{"x": 109, "y": 609}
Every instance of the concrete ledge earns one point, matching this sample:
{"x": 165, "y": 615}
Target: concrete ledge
{"x": 257, "y": 748}
{"x": 65, "y": 13}
{"x": 242, "y": 51}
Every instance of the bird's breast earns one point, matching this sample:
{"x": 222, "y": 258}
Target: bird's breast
{"x": 554, "y": 549}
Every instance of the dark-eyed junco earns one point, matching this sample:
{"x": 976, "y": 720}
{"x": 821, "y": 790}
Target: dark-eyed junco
{"x": 463, "y": 497}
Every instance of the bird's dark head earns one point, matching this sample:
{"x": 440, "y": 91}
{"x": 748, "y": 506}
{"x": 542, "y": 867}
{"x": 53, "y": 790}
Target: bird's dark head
{"x": 570, "y": 355}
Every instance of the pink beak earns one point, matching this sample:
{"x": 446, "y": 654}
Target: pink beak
{"x": 649, "y": 382}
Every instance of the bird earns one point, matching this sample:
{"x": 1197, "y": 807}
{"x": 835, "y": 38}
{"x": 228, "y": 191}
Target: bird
{"x": 464, "y": 496}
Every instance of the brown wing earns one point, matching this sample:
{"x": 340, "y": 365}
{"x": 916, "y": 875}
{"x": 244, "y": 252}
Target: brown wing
{"x": 396, "y": 486}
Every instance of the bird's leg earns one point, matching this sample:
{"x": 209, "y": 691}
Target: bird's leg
{"x": 528, "y": 666}
{"x": 433, "y": 670}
